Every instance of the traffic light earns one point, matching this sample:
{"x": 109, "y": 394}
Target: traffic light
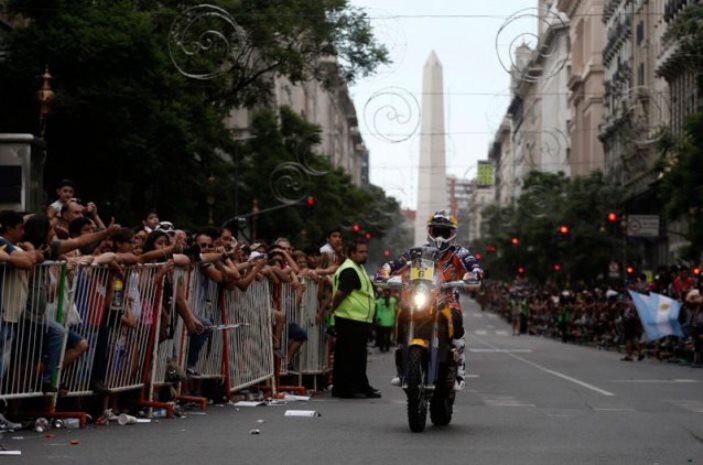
{"x": 612, "y": 217}
{"x": 630, "y": 270}
{"x": 697, "y": 271}
{"x": 521, "y": 270}
{"x": 356, "y": 228}
{"x": 478, "y": 256}
{"x": 557, "y": 267}
{"x": 491, "y": 249}
{"x": 368, "y": 236}
{"x": 515, "y": 241}
{"x": 563, "y": 230}
{"x": 386, "y": 253}
{"x": 310, "y": 201}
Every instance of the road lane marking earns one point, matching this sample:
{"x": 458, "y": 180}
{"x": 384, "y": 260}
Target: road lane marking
{"x": 553, "y": 372}
{"x": 690, "y": 405}
{"x": 478, "y": 315}
{"x": 484, "y": 350}
{"x": 481, "y": 332}
{"x": 507, "y": 403}
{"x": 613, "y": 409}
{"x": 654, "y": 381}
{"x": 501, "y": 332}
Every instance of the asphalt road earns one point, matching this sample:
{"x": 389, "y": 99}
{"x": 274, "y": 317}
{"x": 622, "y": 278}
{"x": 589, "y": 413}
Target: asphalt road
{"x": 529, "y": 400}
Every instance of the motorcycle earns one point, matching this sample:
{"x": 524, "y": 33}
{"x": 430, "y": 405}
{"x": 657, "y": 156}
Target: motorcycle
{"x": 425, "y": 360}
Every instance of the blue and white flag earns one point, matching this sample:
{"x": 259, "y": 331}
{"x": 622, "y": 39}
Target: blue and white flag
{"x": 659, "y": 314}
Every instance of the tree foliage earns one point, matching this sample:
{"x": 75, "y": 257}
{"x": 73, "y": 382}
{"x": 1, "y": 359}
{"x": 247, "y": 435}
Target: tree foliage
{"x": 550, "y": 201}
{"x": 681, "y": 188}
{"x": 135, "y": 132}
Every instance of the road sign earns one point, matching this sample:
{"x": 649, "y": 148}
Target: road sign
{"x": 643, "y": 225}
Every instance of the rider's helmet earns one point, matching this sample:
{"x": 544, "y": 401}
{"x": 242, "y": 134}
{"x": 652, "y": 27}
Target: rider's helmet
{"x": 441, "y": 229}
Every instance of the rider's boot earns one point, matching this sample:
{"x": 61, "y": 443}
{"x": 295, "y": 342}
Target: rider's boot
{"x": 460, "y": 359}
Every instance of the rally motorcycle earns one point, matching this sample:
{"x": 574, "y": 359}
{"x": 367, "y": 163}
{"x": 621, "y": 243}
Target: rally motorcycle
{"x": 425, "y": 360}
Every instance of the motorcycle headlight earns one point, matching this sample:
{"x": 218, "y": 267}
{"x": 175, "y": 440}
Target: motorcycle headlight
{"x": 421, "y": 299}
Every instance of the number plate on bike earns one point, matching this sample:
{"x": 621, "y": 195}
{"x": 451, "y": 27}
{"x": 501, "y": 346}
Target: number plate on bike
{"x": 422, "y": 269}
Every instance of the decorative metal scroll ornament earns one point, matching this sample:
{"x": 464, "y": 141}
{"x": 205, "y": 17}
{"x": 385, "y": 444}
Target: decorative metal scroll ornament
{"x": 288, "y": 182}
{"x": 387, "y": 30}
{"x": 392, "y": 115}
{"x": 205, "y": 42}
{"x": 646, "y": 110}
{"x": 513, "y": 34}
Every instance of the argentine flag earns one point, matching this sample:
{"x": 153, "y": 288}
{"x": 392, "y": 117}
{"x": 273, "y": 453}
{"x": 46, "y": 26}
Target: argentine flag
{"x": 659, "y": 315}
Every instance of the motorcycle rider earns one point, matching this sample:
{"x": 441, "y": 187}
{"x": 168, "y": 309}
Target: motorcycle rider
{"x": 455, "y": 263}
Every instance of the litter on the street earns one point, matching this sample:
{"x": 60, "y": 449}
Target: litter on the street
{"x": 249, "y": 403}
{"x": 302, "y": 413}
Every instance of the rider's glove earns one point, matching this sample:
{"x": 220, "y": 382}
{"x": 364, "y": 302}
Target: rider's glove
{"x": 383, "y": 274}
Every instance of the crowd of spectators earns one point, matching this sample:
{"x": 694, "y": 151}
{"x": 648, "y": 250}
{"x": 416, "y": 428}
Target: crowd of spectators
{"x": 603, "y": 315}
{"x": 74, "y": 232}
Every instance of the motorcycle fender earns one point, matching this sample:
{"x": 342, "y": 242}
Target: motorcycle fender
{"x": 420, "y": 342}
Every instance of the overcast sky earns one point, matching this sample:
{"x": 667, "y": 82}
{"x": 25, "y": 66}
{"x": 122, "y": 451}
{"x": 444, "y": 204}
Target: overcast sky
{"x": 476, "y": 85}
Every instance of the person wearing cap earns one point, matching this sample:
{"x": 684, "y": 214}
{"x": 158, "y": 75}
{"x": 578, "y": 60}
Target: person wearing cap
{"x": 65, "y": 191}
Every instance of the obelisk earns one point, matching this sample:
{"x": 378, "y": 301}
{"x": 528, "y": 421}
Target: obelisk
{"x": 432, "y": 174}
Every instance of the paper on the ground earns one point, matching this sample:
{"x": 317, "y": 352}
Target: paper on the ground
{"x": 302, "y": 413}
{"x": 294, "y": 397}
{"x": 143, "y": 420}
{"x": 10, "y": 452}
{"x": 249, "y": 403}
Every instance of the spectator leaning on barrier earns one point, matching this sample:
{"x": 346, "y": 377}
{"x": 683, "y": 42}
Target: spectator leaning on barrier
{"x": 333, "y": 247}
{"x": 39, "y": 235}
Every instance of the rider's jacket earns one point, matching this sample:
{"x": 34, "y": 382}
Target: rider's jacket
{"x": 452, "y": 265}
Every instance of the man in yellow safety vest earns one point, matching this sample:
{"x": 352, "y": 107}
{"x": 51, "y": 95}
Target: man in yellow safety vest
{"x": 353, "y": 305}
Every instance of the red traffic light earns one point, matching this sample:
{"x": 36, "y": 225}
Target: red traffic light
{"x": 368, "y": 236}
{"x": 696, "y": 271}
{"x": 310, "y": 201}
{"x": 478, "y": 256}
{"x": 386, "y": 253}
{"x": 515, "y": 241}
{"x": 630, "y": 270}
{"x": 557, "y": 267}
{"x": 564, "y": 229}
{"x": 521, "y": 270}
{"x": 612, "y": 217}
{"x": 491, "y": 248}
{"x": 356, "y": 228}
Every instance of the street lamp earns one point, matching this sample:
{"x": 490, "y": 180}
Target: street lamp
{"x": 46, "y": 97}
{"x": 210, "y": 198}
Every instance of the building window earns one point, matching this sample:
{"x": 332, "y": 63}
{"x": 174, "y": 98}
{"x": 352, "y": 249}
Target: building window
{"x": 640, "y": 75}
{"x": 640, "y": 33}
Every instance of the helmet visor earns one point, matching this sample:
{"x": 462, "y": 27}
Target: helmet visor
{"x": 441, "y": 231}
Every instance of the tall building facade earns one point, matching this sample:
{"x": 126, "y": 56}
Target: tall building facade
{"x": 331, "y": 109}
{"x": 586, "y": 88}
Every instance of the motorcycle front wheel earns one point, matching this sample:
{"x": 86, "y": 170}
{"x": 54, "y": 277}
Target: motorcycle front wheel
{"x": 415, "y": 392}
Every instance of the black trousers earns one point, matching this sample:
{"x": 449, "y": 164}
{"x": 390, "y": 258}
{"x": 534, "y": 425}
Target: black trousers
{"x": 349, "y": 368}
{"x": 383, "y": 337}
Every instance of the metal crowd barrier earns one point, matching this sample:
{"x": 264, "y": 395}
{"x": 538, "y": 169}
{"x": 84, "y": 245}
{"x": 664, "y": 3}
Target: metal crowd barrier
{"x": 119, "y": 316}
{"x": 285, "y": 302}
{"x": 31, "y": 327}
{"x": 314, "y": 354}
{"x": 171, "y": 351}
{"x": 88, "y": 289}
{"x": 250, "y": 351}
{"x": 206, "y": 302}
